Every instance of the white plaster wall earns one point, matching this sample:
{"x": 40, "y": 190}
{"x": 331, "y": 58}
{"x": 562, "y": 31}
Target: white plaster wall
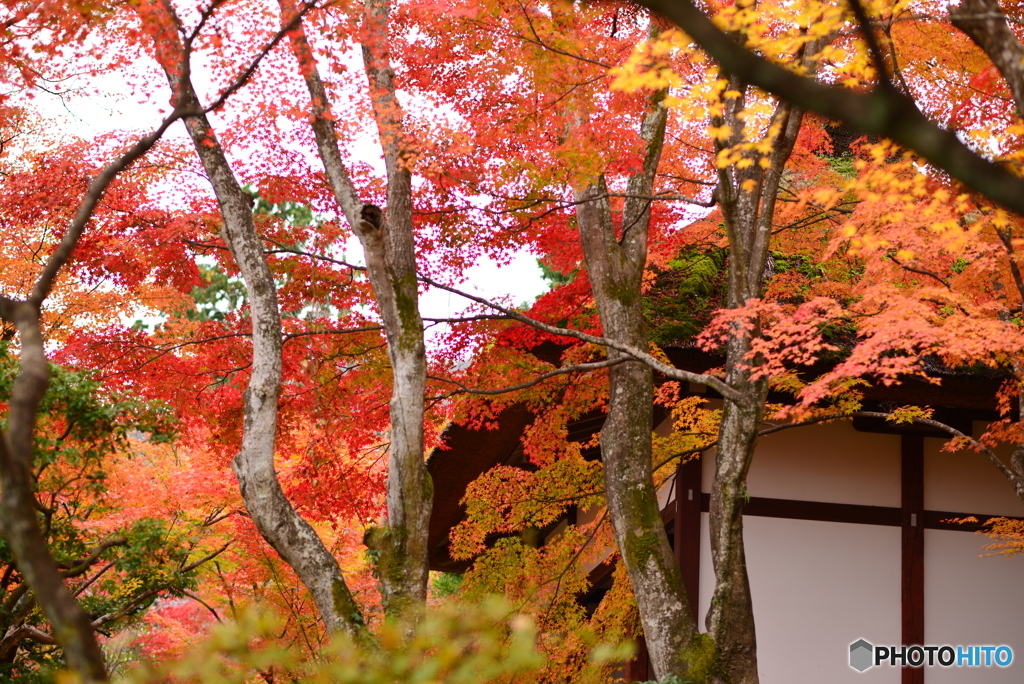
{"x": 972, "y": 600}
{"x": 817, "y": 587}
{"x": 832, "y": 463}
{"x": 821, "y": 586}
{"x": 966, "y": 482}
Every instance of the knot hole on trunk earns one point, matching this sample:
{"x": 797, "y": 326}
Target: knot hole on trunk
{"x": 371, "y": 216}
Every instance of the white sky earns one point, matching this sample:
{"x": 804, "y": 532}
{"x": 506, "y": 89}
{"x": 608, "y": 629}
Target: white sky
{"x": 517, "y": 282}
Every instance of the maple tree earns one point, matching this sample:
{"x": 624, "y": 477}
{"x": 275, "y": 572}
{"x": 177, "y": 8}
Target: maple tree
{"x": 940, "y": 280}
{"x": 616, "y": 258}
{"x": 22, "y": 533}
{"x": 939, "y": 275}
{"x": 581, "y": 132}
{"x": 22, "y": 307}
{"x": 78, "y": 436}
{"x": 768, "y": 351}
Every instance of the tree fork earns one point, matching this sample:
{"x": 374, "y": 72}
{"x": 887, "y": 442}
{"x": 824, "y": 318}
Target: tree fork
{"x": 276, "y": 519}
{"x": 747, "y": 197}
{"x": 388, "y": 241}
{"x": 615, "y": 264}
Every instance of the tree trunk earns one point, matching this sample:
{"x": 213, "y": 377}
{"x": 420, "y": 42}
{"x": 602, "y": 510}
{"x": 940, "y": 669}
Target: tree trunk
{"x": 72, "y": 628}
{"x": 747, "y": 198}
{"x": 615, "y": 265}
{"x": 388, "y": 241}
{"x": 730, "y": 620}
{"x": 276, "y": 519}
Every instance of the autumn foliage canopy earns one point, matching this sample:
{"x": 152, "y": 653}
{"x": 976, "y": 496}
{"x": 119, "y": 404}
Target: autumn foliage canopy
{"x": 237, "y": 284}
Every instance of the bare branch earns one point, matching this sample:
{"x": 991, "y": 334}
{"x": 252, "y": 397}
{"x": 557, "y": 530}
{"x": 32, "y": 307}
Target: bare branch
{"x": 88, "y": 562}
{"x": 89, "y": 582}
{"x": 250, "y": 69}
{"x": 668, "y": 371}
{"x": 911, "y": 269}
{"x": 205, "y": 559}
{"x": 204, "y": 604}
{"x": 564, "y": 370}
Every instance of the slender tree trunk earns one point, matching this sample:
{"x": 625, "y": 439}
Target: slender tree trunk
{"x": 730, "y": 620}
{"x": 276, "y": 519}
{"x": 615, "y": 264}
{"x": 403, "y": 566}
{"x": 72, "y": 628}
{"x": 388, "y": 241}
{"x": 747, "y": 199}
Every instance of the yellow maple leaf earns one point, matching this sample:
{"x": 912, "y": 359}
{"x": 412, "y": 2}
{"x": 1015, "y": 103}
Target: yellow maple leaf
{"x": 720, "y": 132}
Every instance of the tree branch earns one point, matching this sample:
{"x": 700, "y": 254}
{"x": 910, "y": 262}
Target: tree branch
{"x": 984, "y": 22}
{"x": 250, "y": 69}
{"x": 88, "y": 562}
{"x": 576, "y": 368}
{"x": 884, "y": 112}
{"x": 872, "y": 42}
{"x": 668, "y": 371}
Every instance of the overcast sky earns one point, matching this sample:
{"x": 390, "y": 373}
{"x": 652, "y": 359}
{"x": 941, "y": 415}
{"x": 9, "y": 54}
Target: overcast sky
{"x": 87, "y": 116}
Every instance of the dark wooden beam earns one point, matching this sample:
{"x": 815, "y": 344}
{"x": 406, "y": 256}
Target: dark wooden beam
{"x": 912, "y": 566}
{"x": 816, "y": 510}
{"x": 890, "y": 516}
{"x": 686, "y": 528}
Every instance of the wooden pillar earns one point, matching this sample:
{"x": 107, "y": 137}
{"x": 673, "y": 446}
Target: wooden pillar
{"x": 636, "y": 669}
{"x": 912, "y": 570}
{"x": 686, "y": 532}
